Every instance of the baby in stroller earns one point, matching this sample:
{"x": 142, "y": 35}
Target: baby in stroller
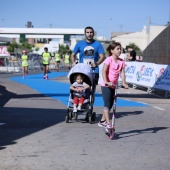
{"x": 79, "y": 88}
{"x": 81, "y": 92}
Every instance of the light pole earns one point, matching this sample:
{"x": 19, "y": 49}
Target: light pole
{"x": 110, "y": 26}
{"x": 2, "y": 21}
{"x": 169, "y": 12}
{"x": 121, "y": 28}
{"x": 149, "y": 23}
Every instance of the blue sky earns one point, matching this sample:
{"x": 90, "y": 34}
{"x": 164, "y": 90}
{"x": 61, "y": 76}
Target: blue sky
{"x": 104, "y": 15}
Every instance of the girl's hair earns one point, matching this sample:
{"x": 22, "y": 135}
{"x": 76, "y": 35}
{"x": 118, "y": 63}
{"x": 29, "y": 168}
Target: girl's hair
{"x": 112, "y": 46}
{"x": 75, "y": 77}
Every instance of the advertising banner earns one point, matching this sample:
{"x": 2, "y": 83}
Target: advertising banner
{"x": 162, "y": 74}
{"x": 140, "y": 73}
{"x": 146, "y": 75}
{"x": 3, "y": 51}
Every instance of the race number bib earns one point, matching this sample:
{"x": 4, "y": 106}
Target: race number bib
{"x": 24, "y": 62}
{"x": 88, "y": 61}
{"x": 46, "y": 59}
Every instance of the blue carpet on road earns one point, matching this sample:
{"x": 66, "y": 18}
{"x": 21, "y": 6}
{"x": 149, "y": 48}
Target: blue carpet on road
{"x": 60, "y": 91}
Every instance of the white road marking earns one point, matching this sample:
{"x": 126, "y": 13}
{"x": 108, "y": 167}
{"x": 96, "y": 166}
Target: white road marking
{"x": 2, "y": 124}
{"x": 159, "y": 108}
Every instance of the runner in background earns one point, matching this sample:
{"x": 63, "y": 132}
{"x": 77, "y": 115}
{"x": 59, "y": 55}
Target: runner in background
{"x": 67, "y": 61}
{"x": 57, "y": 60}
{"x": 24, "y": 59}
{"x": 46, "y": 57}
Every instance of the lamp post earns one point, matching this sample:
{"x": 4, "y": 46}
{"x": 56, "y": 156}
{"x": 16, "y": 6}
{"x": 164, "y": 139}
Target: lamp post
{"x": 169, "y": 12}
{"x": 2, "y": 21}
{"x": 110, "y": 26}
{"x": 121, "y": 28}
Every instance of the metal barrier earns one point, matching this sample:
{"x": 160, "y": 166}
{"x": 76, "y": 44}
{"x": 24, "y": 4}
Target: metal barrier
{"x": 14, "y": 65}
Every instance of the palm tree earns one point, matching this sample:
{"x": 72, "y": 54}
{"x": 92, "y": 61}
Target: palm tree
{"x": 23, "y": 45}
{"x": 64, "y": 49}
{"x": 11, "y": 48}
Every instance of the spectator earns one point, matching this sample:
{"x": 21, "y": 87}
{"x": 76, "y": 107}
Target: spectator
{"x": 131, "y": 54}
{"x": 123, "y": 55}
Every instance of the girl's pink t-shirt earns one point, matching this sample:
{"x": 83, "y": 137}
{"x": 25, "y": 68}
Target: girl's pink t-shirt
{"x": 113, "y": 69}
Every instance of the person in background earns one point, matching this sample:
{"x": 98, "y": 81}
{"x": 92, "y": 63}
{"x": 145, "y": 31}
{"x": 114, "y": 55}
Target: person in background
{"x": 57, "y": 60}
{"x": 46, "y": 57}
{"x": 123, "y": 55}
{"x": 131, "y": 54}
{"x": 67, "y": 61}
{"x": 24, "y": 59}
{"x": 112, "y": 67}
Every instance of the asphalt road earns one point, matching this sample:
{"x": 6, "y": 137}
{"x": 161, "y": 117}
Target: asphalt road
{"x": 34, "y": 135}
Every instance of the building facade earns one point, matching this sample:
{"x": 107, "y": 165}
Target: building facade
{"x": 141, "y": 39}
{"x": 158, "y": 51}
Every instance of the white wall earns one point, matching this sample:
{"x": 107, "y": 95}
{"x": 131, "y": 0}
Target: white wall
{"x": 155, "y": 31}
{"x": 141, "y": 39}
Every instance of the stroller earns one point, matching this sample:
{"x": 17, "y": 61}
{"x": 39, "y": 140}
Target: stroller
{"x": 87, "y": 106}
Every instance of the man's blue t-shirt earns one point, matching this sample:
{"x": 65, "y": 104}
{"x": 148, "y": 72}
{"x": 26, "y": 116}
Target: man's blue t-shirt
{"x": 89, "y": 52}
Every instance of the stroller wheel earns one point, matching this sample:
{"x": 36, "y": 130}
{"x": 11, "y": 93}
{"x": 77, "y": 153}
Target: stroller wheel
{"x": 67, "y": 116}
{"x": 87, "y": 117}
{"x": 94, "y": 116}
{"x": 67, "y": 119}
{"x": 70, "y": 115}
{"x": 76, "y": 116}
{"x": 90, "y": 119}
{"x": 90, "y": 116}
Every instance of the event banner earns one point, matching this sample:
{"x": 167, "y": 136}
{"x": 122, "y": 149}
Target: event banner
{"x": 4, "y": 51}
{"x": 162, "y": 77}
{"x": 140, "y": 73}
{"x": 146, "y": 75}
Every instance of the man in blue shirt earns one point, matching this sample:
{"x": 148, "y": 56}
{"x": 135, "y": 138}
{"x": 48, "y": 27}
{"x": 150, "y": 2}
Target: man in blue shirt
{"x": 90, "y": 52}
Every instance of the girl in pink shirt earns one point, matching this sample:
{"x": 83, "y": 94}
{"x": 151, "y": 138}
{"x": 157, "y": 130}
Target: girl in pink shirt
{"x": 112, "y": 67}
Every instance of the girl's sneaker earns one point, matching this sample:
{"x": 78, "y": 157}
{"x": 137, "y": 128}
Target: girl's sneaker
{"x": 107, "y": 128}
{"x": 102, "y": 124}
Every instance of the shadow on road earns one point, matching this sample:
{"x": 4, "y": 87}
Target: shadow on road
{"x": 122, "y": 114}
{"x": 20, "y": 122}
{"x": 5, "y": 96}
{"x": 130, "y": 133}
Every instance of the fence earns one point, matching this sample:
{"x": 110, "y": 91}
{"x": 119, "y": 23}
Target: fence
{"x": 154, "y": 77}
{"x": 13, "y": 64}
{"x": 150, "y": 75}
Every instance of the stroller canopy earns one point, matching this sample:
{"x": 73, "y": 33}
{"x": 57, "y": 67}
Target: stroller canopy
{"x": 82, "y": 69}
